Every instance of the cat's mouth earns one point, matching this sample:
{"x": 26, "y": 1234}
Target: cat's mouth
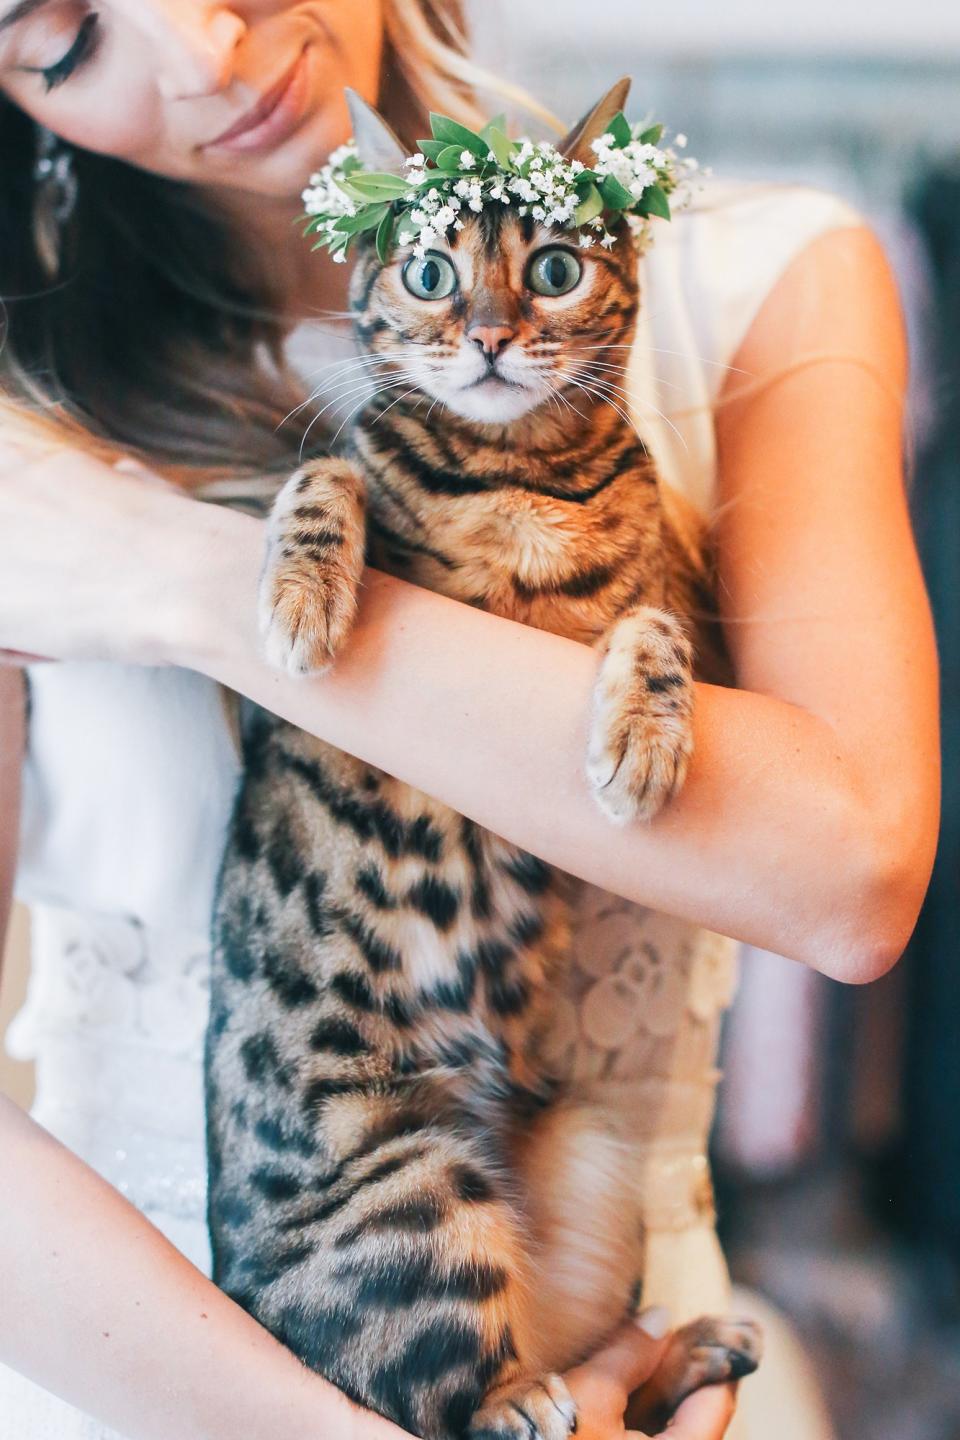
{"x": 494, "y": 377}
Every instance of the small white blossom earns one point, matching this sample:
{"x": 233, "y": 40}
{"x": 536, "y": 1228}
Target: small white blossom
{"x": 608, "y": 240}
{"x": 405, "y": 237}
{"x": 680, "y": 141}
{"x": 416, "y": 161}
{"x": 458, "y": 225}
{"x": 467, "y": 160}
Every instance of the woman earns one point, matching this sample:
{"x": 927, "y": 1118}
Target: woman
{"x": 143, "y": 319}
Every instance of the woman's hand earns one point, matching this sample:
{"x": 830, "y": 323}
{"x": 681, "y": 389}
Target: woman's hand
{"x": 92, "y": 558}
{"x": 602, "y": 1386}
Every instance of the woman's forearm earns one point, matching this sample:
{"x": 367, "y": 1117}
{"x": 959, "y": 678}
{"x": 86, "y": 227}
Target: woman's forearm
{"x": 767, "y": 842}
{"x": 101, "y": 1309}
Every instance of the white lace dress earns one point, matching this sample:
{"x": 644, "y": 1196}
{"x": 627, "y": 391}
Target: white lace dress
{"x": 127, "y": 789}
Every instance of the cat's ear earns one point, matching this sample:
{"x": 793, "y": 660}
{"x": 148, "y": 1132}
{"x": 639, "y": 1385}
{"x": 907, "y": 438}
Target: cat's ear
{"x": 596, "y": 122}
{"x": 377, "y": 145}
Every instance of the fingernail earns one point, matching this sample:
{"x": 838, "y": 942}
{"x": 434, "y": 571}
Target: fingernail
{"x": 655, "y": 1321}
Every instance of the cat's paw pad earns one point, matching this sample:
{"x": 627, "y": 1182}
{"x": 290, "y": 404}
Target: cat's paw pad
{"x": 719, "y": 1350}
{"x": 540, "y": 1409}
{"x": 311, "y": 576}
{"x": 640, "y": 733}
{"x": 708, "y": 1351}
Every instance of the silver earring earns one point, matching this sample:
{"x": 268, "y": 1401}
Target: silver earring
{"x": 56, "y": 198}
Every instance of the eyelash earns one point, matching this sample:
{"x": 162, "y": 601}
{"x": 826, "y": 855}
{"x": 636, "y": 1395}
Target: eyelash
{"x": 81, "y": 50}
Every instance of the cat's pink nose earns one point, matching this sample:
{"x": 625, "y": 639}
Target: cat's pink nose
{"x": 492, "y": 339}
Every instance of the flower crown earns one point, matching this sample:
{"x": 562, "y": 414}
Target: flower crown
{"x": 606, "y": 169}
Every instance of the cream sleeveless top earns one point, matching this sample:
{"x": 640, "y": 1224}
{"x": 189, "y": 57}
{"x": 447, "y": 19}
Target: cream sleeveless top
{"x": 128, "y": 785}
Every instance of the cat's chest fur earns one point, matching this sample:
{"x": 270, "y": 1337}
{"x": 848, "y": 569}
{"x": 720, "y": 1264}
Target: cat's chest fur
{"x": 557, "y": 538}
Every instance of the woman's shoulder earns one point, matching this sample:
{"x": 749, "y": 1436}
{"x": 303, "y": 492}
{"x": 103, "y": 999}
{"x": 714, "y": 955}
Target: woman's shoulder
{"x": 722, "y": 254}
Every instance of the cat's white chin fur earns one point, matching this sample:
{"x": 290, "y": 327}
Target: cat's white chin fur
{"x": 493, "y": 403}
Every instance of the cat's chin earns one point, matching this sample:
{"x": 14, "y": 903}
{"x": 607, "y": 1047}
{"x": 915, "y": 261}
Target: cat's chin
{"x": 493, "y": 403}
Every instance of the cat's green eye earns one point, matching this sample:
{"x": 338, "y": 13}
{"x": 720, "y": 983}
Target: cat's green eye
{"x": 554, "y": 272}
{"x": 432, "y": 278}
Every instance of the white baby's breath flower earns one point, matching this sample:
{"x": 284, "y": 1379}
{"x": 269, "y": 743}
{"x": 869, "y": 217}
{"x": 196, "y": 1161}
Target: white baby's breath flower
{"x": 680, "y": 141}
{"x": 445, "y": 217}
{"x": 462, "y": 187}
{"x": 608, "y": 240}
{"x": 416, "y": 161}
{"x": 458, "y": 225}
{"x": 405, "y": 237}
{"x": 467, "y": 159}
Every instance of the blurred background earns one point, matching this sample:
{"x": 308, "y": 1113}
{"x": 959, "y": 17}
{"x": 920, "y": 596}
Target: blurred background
{"x": 837, "y": 1148}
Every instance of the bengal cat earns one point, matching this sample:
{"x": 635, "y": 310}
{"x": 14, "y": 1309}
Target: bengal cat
{"x": 380, "y": 1125}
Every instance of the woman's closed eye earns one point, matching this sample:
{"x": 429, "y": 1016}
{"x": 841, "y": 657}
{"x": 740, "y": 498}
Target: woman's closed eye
{"x": 70, "y": 55}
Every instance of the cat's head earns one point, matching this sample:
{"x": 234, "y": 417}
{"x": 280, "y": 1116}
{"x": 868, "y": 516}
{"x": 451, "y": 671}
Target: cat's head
{"x": 506, "y": 314}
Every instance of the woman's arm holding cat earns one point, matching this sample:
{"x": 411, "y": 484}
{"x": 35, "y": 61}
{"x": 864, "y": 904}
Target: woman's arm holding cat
{"x": 808, "y": 820}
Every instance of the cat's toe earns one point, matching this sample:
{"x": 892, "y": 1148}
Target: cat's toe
{"x": 633, "y": 769}
{"x": 540, "y": 1409}
{"x": 305, "y": 613}
{"x": 641, "y": 736}
{"x": 723, "y": 1350}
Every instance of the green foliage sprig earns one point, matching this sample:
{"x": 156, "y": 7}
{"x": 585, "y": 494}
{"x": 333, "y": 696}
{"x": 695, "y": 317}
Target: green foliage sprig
{"x": 458, "y": 171}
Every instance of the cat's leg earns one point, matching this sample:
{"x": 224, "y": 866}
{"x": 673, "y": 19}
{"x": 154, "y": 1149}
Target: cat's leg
{"x": 708, "y": 1351}
{"x": 640, "y": 730}
{"x": 403, "y": 1277}
{"x": 313, "y": 566}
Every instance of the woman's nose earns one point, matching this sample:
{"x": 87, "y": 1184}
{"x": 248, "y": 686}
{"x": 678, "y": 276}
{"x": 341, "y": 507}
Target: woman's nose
{"x": 199, "y": 44}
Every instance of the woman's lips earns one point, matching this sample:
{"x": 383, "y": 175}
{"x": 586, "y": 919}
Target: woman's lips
{"x": 275, "y": 116}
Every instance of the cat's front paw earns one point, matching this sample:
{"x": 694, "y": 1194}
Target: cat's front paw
{"x": 540, "y": 1409}
{"x": 313, "y": 566}
{"x": 641, "y": 735}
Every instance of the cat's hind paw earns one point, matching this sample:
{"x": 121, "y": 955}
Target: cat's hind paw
{"x": 708, "y": 1351}
{"x": 640, "y": 733}
{"x": 540, "y": 1409}
{"x": 313, "y": 567}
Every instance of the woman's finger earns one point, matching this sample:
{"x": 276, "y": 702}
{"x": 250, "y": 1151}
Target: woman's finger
{"x": 630, "y": 1356}
{"x": 704, "y": 1415}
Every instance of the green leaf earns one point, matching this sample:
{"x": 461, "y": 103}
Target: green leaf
{"x": 499, "y": 122}
{"x": 615, "y": 195}
{"x": 454, "y": 133}
{"x": 654, "y": 202}
{"x": 385, "y": 236}
{"x": 619, "y": 128}
{"x": 590, "y": 206}
{"x": 500, "y": 145}
{"x": 449, "y": 158}
{"x": 372, "y": 186}
{"x": 367, "y": 219}
{"x": 431, "y": 148}
{"x": 651, "y": 136}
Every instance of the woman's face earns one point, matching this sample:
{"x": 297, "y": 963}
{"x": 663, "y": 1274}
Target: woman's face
{"x": 247, "y": 96}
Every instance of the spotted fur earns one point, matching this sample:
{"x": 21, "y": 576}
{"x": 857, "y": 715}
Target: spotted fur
{"x": 388, "y": 1154}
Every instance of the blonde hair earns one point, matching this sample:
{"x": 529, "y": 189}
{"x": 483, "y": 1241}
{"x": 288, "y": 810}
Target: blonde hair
{"x": 426, "y": 66}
